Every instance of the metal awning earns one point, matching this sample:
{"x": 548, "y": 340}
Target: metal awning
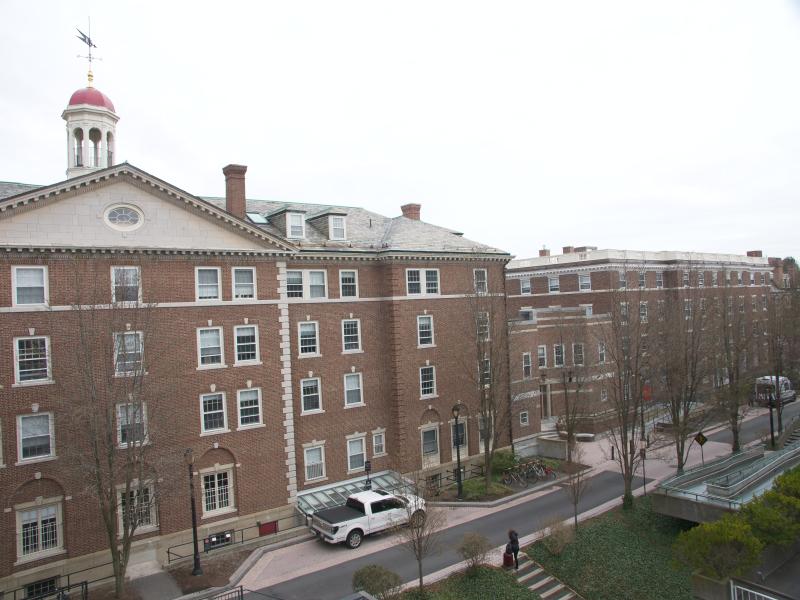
{"x": 310, "y": 501}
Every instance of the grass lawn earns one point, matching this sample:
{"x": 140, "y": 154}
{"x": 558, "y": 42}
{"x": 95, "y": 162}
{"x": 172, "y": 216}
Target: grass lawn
{"x": 486, "y": 583}
{"x": 621, "y": 555}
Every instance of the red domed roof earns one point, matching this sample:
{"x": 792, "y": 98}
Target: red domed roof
{"x": 93, "y": 96}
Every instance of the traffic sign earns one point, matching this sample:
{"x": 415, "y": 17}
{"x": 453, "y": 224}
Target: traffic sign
{"x": 700, "y": 438}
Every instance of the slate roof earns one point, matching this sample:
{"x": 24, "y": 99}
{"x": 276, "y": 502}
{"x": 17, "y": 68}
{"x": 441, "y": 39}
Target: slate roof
{"x": 10, "y": 188}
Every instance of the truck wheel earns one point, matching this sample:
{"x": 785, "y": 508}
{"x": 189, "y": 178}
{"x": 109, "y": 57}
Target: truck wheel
{"x": 417, "y": 520}
{"x": 354, "y": 538}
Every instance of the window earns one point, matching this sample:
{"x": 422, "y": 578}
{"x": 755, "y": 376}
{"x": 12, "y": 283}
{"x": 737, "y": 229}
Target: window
{"x": 603, "y": 394}
{"x": 217, "y": 491}
{"x": 124, "y": 217}
{"x": 741, "y": 304}
{"x": 764, "y": 302}
{"x": 430, "y": 446}
{"x": 208, "y": 283}
{"x": 553, "y": 284}
{"x": 715, "y": 278}
{"x": 336, "y": 227}
{"x": 601, "y": 353}
{"x": 131, "y": 424}
{"x": 527, "y": 368}
{"x": 686, "y": 279}
{"x": 32, "y": 360}
{"x": 35, "y": 437}
{"x": 526, "y": 315}
{"x": 525, "y": 286}
{"x": 379, "y": 443}
{"x": 295, "y": 225}
{"x": 214, "y": 412}
{"x": 137, "y": 508}
{"x": 558, "y": 355}
{"x": 128, "y": 353}
{"x": 352, "y": 390}
{"x": 623, "y": 312}
{"x": 752, "y": 278}
{"x": 642, "y": 279}
{"x": 481, "y": 283}
{"x": 351, "y": 335}
{"x": 687, "y": 309}
{"x": 701, "y": 279}
{"x": 39, "y": 530}
{"x": 348, "y": 284}
{"x": 246, "y": 344}
{"x": 125, "y": 284}
{"x": 577, "y": 354}
{"x": 622, "y": 283}
{"x": 458, "y": 435}
{"x": 316, "y": 284}
{"x": 415, "y": 278}
{"x": 643, "y": 311}
{"x": 427, "y": 382}
{"x": 249, "y": 401}
{"x": 584, "y": 283}
{"x": 425, "y": 330}
{"x": 541, "y": 355}
{"x": 314, "y": 459}
{"x": 523, "y": 418}
{"x": 486, "y": 372}
{"x": 482, "y": 320}
{"x": 306, "y": 284}
{"x": 310, "y": 394}
{"x": 30, "y": 286}
{"x": 294, "y": 284}
{"x": 659, "y": 279}
{"x": 209, "y": 343}
{"x": 44, "y": 588}
{"x": 355, "y": 454}
{"x": 244, "y": 283}
{"x": 309, "y": 345}
{"x": 739, "y": 278}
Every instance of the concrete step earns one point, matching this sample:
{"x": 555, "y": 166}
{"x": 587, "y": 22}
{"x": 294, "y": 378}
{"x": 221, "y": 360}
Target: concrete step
{"x": 544, "y": 581}
{"x": 553, "y": 591}
{"x": 530, "y": 575}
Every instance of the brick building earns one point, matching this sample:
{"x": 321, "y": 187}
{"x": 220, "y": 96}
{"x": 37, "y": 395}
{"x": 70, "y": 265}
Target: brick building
{"x": 284, "y": 344}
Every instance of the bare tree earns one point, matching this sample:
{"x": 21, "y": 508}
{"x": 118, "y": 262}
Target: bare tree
{"x": 577, "y": 482}
{"x": 778, "y": 330}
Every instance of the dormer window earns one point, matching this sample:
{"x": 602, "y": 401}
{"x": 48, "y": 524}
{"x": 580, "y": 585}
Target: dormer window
{"x": 296, "y": 225}
{"x": 336, "y": 227}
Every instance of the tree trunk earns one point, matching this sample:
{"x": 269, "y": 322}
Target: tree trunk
{"x": 119, "y": 575}
{"x": 575, "y": 506}
{"x": 419, "y": 571}
{"x": 735, "y": 446}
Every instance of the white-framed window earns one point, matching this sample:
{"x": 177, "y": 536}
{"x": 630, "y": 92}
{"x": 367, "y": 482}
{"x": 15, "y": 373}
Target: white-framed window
{"x": 752, "y": 278}
{"x": 715, "y": 278}
{"x": 686, "y": 279}
{"x": 314, "y": 461}
{"x": 131, "y": 424}
{"x": 577, "y": 354}
{"x": 481, "y": 281}
{"x": 425, "y": 330}
{"x": 214, "y": 413}
{"x": 421, "y": 282}
{"x": 482, "y": 322}
{"x": 336, "y": 227}
{"x": 601, "y": 353}
{"x": 208, "y": 283}
{"x": 307, "y": 284}
{"x": 622, "y": 280}
{"x": 739, "y": 279}
{"x": 311, "y": 395}
{"x": 35, "y": 437}
{"x": 247, "y": 348}
{"x": 643, "y": 311}
{"x": 525, "y": 286}
{"x": 378, "y": 443}
{"x": 642, "y": 279}
{"x": 295, "y": 225}
{"x": 585, "y": 282}
{"x": 353, "y": 390}
{"x": 623, "y": 312}
{"x": 356, "y": 454}
{"x": 527, "y": 367}
{"x": 126, "y": 284}
{"x": 429, "y": 439}
{"x": 701, "y": 279}
{"x": 741, "y": 304}
{"x": 128, "y": 353}
{"x": 308, "y": 335}
{"x": 217, "y": 490}
{"x": 39, "y": 529}
{"x": 659, "y": 279}
{"x": 687, "y": 308}
{"x": 541, "y": 356}
{"x": 351, "y": 335}
{"x": 137, "y": 508}
{"x": 348, "y": 283}
{"x": 249, "y": 404}
{"x": 558, "y": 355}
{"x": 30, "y": 286}
{"x": 32, "y": 359}
{"x": 554, "y": 284}
{"x": 485, "y": 374}
{"x": 763, "y": 302}
{"x": 210, "y": 350}
{"x": 523, "y": 418}
{"x": 427, "y": 382}
{"x": 243, "y": 280}
{"x": 603, "y": 394}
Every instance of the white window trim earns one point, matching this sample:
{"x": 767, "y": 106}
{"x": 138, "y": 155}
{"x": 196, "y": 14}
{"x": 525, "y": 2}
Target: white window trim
{"x": 225, "y": 426}
{"x": 233, "y": 284}
{"x": 231, "y": 491}
{"x": 146, "y": 439}
{"x": 51, "y": 424}
{"x": 423, "y": 286}
{"x": 550, "y": 280}
{"x": 540, "y": 355}
{"x": 355, "y": 271}
{"x": 435, "y": 393}
{"x": 305, "y": 275}
{"x": 529, "y": 365}
{"x": 360, "y": 347}
{"x": 260, "y": 423}
{"x": 360, "y": 389}
{"x": 197, "y": 284}
{"x": 314, "y": 446}
{"x": 141, "y": 529}
{"x": 56, "y": 501}
{"x": 437, "y": 461}
{"x": 314, "y": 411}
{"x": 464, "y": 448}
{"x": 331, "y": 219}
{"x": 381, "y": 431}
{"x": 222, "y": 364}
{"x": 46, "y": 279}
{"x": 522, "y": 287}
{"x": 316, "y": 354}
{"x": 49, "y": 379}
{"x": 353, "y": 438}
{"x": 289, "y": 216}
{"x": 526, "y": 421}
{"x": 563, "y": 357}
{"x": 485, "y": 281}
{"x": 601, "y": 353}
{"x": 583, "y": 354}
{"x": 580, "y": 282}
{"x": 241, "y": 363}
{"x": 140, "y": 371}
{"x": 483, "y": 317}
{"x": 114, "y": 287}
{"x": 433, "y": 332}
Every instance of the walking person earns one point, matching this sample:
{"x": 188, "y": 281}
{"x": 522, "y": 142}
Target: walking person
{"x": 513, "y": 545}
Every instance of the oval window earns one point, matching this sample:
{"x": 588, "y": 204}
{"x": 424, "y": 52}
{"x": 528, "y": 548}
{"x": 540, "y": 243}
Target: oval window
{"x": 124, "y": 217}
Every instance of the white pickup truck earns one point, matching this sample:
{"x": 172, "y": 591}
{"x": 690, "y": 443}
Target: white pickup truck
{"x": 365, "y": 513}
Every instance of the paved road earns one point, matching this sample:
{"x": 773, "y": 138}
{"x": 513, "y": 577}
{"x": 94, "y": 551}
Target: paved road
{"x": 335, "y": 583}
{"x": 757, "y": 428}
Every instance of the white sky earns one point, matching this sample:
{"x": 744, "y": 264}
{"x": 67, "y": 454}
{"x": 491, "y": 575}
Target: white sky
{"x": 669, "y": 125}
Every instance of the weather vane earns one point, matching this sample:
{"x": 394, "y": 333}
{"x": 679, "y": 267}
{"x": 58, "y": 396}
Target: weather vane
{"x": 86, "y": 39}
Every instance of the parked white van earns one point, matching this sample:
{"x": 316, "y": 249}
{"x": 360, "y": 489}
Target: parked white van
{"x": 764, "y": 391}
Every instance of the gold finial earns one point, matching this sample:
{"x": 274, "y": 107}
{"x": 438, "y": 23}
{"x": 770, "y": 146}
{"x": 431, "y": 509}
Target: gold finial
{"x": 91, "y": 79}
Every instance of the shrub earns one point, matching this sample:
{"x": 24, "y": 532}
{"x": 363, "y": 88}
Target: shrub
{"x": 720, "y": 549}
{"x": 503, "y": 459}
{"x": 774, "y": 518}
{"x": 473, "y": 549}
{"x": 378, "y": 581}
{"x": 788, "y": 483}
{"x": 559, "y": 538}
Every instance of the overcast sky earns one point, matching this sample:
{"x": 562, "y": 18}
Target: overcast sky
{"x": 639, "y": 125}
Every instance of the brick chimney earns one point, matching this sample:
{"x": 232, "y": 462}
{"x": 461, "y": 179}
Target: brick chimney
{"x": 411, "y": 211}
{"x": 567, "y": 250}
{"x": 235, "y": 202}
{"x": 544, "y": 252}
{"x": 754, "y": 253}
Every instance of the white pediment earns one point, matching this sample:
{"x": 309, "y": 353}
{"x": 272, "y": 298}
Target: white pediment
{"x": 78, "y": 219}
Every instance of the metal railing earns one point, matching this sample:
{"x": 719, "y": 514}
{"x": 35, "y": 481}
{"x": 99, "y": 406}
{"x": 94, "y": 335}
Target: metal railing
{"x": 747, "y": 590}
{"x": 76, "y": 591}
{"x": 446, "y": 479}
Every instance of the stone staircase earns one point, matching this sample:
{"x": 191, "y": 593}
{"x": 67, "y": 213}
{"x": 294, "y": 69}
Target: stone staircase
{"x": 535, "y": 578}
{"x": 793, "y": 439}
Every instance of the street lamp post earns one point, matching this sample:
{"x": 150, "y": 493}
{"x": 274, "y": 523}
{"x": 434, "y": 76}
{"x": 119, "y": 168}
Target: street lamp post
{"x": 189, "y": 458}
{"x": 456, "y": 411}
